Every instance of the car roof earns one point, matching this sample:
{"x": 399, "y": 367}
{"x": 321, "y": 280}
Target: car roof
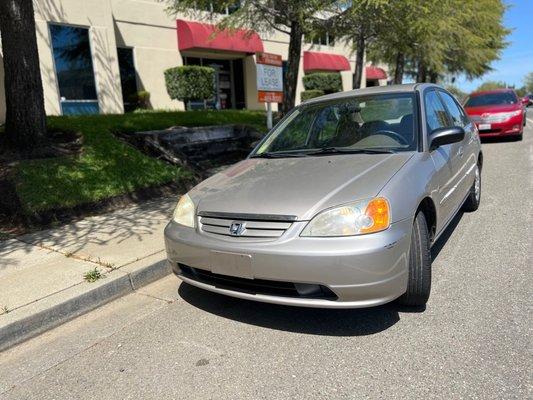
{"x": 405, "y": 88}
{"x": 482, "y": 92}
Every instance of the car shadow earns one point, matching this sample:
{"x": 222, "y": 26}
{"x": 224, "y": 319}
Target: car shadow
{"x": 312, "y": 321}
{"x": 445, "y": 236}
{"x": 502, "y": 139}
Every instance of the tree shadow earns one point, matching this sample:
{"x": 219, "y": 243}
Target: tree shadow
{"x": 311, "y": 321}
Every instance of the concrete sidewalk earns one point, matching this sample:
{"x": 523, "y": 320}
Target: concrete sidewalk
{"x": 42, "y": 274}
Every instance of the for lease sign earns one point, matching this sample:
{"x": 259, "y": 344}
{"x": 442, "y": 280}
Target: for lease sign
{"x": 269, "y": 78}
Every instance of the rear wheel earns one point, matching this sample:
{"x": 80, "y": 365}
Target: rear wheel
{"x": 474, "y": 197}
{"x": 419, "y": 282}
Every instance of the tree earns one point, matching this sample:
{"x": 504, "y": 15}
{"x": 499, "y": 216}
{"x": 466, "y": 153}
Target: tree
{"x": 25, "y": 116}
{"x": 435, "y": 38}
{"x": 295, "y": 18}
{"x": 190, "y": 82}
{"x": 457, "y": 92}
{"x": 491, "y": 85}
{"x": 360, "y": 22}
{"x": 528, "y": 82}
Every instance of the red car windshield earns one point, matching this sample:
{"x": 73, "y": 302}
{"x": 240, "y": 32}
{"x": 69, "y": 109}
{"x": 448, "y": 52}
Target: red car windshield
{"x": 491, "y": 99}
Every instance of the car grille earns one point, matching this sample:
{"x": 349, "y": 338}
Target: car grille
{"x": 245, "y": 226}
{"x": 258, "y": 286}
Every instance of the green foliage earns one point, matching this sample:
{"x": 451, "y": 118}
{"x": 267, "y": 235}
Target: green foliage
{"x": 141, "y": 99}
{"x": 107, "y": 166}
{"x": 310, "y": 94}
{"x": 491, "y": 85}
{"x": 528, "y": 82}
{"x": 327, "y": 82}
{"x": 190, "y": 82}
{"x": 92, "y": 275}
{"x": 458, "y": 93}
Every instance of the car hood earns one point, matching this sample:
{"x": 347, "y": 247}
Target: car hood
{"x": 492, "y": 109}
{"x": 298, "y": 187}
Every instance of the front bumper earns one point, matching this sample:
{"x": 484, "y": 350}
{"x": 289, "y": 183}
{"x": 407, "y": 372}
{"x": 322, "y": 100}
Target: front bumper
{"x": 510, "y": 127}
{"x": 361, "y": 271}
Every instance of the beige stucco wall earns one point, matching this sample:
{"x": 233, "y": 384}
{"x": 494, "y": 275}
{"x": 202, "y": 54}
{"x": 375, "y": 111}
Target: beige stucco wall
{"x": 95, "y": 15}
{"x": 145, "y": 26}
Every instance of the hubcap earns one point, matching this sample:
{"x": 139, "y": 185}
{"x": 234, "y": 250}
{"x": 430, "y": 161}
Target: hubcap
{"x": 477, "y": 185}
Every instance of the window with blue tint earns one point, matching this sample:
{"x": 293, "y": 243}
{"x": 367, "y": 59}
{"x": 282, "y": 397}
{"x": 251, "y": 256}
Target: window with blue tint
{"x": 74, "y": 69}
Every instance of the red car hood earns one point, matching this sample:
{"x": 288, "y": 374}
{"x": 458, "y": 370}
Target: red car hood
{"x": 492, "y": 109}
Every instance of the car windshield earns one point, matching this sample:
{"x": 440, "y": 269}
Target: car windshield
{"x": 378, "y": 123}
{"x": 491, "y": 99}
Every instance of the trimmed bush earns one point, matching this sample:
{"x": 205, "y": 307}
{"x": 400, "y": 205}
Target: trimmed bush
{"x": 140, "y": 99}
{"x": 190, "y": 82}
{"x": 328, "y": 82}
{"x": 309, "y": 94}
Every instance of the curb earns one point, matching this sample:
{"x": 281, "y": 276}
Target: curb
{"x": 77, "y": 300}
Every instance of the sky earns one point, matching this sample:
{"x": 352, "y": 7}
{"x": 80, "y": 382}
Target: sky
{"x": 516, "y": 59}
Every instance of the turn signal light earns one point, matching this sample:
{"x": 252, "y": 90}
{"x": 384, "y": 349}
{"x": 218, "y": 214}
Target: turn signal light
{"x": 378, "y": 212}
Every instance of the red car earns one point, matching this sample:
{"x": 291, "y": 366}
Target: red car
{"x": 497, "y": 113}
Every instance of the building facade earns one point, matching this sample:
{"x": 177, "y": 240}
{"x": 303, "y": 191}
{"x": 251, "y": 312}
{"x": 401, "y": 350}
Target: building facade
{"x": 96, "y": 54}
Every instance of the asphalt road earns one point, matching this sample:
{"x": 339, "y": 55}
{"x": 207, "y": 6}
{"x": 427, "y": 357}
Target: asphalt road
{"x": 176, "y": 342}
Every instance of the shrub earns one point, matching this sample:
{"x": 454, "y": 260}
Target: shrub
{"x": 328, "y": 82}
{"x": 140, "y": 100}
{"x": 309, "y": 94}
{"x": 190, "y": 82}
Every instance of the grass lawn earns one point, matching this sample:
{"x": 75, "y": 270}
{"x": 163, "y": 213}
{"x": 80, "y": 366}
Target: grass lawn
{"x": 108, "y": 167}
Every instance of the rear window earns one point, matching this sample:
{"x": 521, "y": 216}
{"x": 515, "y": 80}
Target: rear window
{"x": 491, "y": 99}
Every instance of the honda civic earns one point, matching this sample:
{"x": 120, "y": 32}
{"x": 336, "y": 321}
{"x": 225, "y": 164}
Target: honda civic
{"x": 338, "y": 206}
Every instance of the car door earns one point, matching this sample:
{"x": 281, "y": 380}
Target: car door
{"x": 464, "y": 153}
{"x": 443, "y": 184}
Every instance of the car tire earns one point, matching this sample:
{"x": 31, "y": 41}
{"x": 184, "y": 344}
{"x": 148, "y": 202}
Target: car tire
{"x": 419, "y": 280}
{"x": 474, "y": 196}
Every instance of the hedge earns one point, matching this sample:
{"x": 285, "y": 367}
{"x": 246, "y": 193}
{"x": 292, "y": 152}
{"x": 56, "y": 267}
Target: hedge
{"x": 190, "y": 82}
{"x": 309, "y": 94}
{"x": 328, "y": 82}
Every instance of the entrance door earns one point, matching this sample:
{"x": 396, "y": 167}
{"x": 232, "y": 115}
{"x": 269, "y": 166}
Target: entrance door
{"x": 229, "y": 83}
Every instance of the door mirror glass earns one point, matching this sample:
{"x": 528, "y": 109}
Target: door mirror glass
{"x": 442, "y": 136}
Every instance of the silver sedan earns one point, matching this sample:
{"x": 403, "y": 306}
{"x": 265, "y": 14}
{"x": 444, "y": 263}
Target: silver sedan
{"x": 338, "y": 206}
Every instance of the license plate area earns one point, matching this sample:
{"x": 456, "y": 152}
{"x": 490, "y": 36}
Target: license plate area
{"x": 232, "y": 264}
{"x": 484, "y": 127}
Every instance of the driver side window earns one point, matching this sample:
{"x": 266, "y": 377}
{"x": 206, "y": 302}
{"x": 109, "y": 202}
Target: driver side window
{"x": 436, "y": 114}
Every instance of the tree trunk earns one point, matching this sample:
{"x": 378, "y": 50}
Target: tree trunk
{"x": 398, "y": 70}
{"x": 293, "y": 65}
{"x": 422, "y": 73}
{"x": 433, "y": 77}
{"x": 359, "y": 61}
{"x": 25, "y": 117}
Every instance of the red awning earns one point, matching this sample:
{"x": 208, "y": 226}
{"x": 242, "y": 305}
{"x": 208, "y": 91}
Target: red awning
{"x": 195, "y": 35}
{"x": 314, "y": 61}
{"x": 375, "y": 73}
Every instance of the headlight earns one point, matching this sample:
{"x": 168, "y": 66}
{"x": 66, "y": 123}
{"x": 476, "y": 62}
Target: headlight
{"x": 504, "y": 116}
{"x": 184, "y": 212}
{"x": 351, "y": 219}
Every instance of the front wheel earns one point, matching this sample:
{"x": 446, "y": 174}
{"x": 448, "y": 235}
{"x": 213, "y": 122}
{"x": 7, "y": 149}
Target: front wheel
{"x": 419, "y": 282}
{"x": 474, "y": 197}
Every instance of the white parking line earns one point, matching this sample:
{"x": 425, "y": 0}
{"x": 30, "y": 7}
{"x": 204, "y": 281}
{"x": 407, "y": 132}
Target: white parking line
{"x": 530, "y": 120}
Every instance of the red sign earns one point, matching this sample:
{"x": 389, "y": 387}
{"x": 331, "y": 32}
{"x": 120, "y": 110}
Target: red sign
{"x": 269, "y": 59}
{"x": 269, "y": 97}
{"x": 269, "y": 78}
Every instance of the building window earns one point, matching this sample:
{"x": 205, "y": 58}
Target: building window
{"x": 74, "y": 69}
{"x": 323, "y": 39}
{"x": 220, "y": 9}
{"x": 128, "y": 79}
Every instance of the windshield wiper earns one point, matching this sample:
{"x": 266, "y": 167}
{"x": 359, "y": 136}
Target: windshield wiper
{"x": 279, "y": 155}
{"x": 340, "y": 150}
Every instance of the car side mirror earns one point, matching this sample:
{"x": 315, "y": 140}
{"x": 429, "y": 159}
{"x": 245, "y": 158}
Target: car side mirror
{"x": 525, "y": 101}
{"x": 442, "y": 136}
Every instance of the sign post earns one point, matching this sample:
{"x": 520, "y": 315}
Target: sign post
{"x": 269, "y": 81}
